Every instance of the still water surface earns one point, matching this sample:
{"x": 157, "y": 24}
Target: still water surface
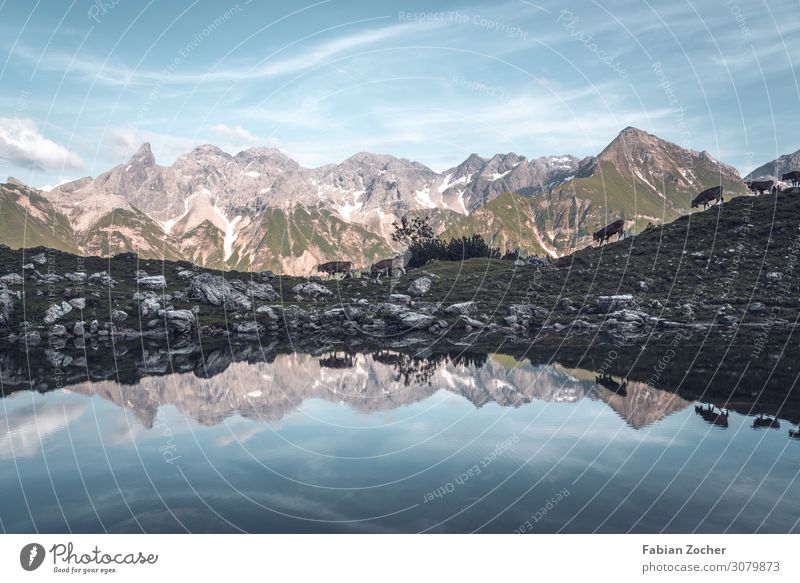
{"x": 382, "y": 442}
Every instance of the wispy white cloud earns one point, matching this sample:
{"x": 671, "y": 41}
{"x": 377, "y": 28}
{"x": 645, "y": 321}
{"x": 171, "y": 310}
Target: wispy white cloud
{"x": 24, "y": 431}
{"x": 235, "y": 133}
{"x": 306, "y": 54}
{"x": 22, "y": 144}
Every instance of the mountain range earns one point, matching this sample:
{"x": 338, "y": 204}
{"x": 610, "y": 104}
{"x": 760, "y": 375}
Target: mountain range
{"x": 776, "y": 168}
{"x": 259, "y": 209}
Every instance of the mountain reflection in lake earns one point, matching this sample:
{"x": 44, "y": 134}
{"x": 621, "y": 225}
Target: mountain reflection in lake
{"x": 201, "y": 439}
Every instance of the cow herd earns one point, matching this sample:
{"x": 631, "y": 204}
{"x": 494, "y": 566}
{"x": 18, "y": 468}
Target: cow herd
{"x": 706, "y": 198}
{"x": 388, "y": 267}
{"x": 763, "y": 186}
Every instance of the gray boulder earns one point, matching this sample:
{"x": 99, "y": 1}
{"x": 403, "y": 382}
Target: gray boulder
{"x": 154, "y": 282}
{"x": 267, "y": 311}
{"x": 76, "y": 276}
{"x": 401, "y": 299}
{"x": 312, "y": 290}
{"x": 527, "y": 311}
{"x": 7, "y": 306}
{"x": 630, "y": 316}
{"x": 39, "y": 259}
{"x": 149, "y": 306}
{"x": 32, "y": 337}
{"x": 470, "y": 323}
{"x": 462, "y": 309}
{"x": 58, "y": 330}
{"x": 101, "y": 278}
{"x": 771, "y": 276}
{"x": 416, "y": 321}
{"x": 420, "y": 286}
{"x": 616, "y": 302}
{"x": 46, "y": 278}
{"x": 79, "y": 329}
{"x": 260, "y": 291}
{"x": 78, "y": 303}
{"x": 181, "y": 322}
{"x": 390, "y": 310}
{"x": 56, "y": 311}
{"x": 249, "y": 328}
{"x": 12, "y": 279}
{"x": 119, "y": 315}
{"x": 217, "y": 291}
{"x": 57, "y": 359}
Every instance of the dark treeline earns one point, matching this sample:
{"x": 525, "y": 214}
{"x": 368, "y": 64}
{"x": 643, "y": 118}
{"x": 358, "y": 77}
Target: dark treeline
{"x": 425, "y": 246}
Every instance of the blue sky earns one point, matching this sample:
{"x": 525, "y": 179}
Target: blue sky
{"x": 84, "y": 83}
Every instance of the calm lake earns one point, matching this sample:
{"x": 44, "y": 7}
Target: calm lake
{"x": 228, "y": 438}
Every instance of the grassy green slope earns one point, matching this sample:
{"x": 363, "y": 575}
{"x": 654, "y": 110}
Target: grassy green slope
{"x": 308, "y": 230}
{"x": 565, "y": 216}
{"x": 508, "y": 220}
{"x": 123, "y": 230}
{"x": 27, "y": 219}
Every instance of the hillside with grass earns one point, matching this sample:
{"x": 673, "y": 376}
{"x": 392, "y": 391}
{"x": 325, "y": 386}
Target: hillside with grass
{"x": 27, "y": 219}
{"x": 638, "y": 178}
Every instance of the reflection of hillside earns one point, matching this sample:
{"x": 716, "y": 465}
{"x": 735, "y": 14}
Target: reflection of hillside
{"x": 211, "y": 382}
{"x": 216, "y": 387}
{"x": 643, "y": 404}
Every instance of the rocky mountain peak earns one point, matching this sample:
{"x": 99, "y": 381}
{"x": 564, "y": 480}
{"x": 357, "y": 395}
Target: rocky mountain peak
{"x": 266, "y": 157}
{"x": 15, "y": 182}
{"x": 776, "y": 168}
{"x": 143, "y": 156}
{"x": 208, "y": 150}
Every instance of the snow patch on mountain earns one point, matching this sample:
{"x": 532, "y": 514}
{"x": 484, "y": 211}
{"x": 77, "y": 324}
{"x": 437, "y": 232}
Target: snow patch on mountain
{"x": 230, "y": 232}
{"x": 349, "y": 208}
{"x": 423, "y": 197}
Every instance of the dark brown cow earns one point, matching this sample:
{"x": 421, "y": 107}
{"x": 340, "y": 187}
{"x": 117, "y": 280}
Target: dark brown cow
{"x": 334, "y": 267}
{"x": 762, "y": 422}
{"x": 710, "y": 415}
{"x": 605, "y": 234}
{"x": 607, "y": 381}
{"x": 760, "y": 186}
{"x": 793, "y": 177}
{"x": 388, "y": 267}
{"x": 707, "y": 196}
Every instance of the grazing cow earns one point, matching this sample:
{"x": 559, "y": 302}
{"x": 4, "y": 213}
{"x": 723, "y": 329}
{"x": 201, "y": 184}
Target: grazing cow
{"x": 708, "y": 196}
{"x": 709, "y": 415}
{"x": 766, "y": 422}
{"x": 334, "y": 267}
{"x": 605, "y": 234}
{"x": 388, "y": 267}
{"x": 607, "y": 381}
{"x": 760, "y": 186}
{"x": 793, "y": 177}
